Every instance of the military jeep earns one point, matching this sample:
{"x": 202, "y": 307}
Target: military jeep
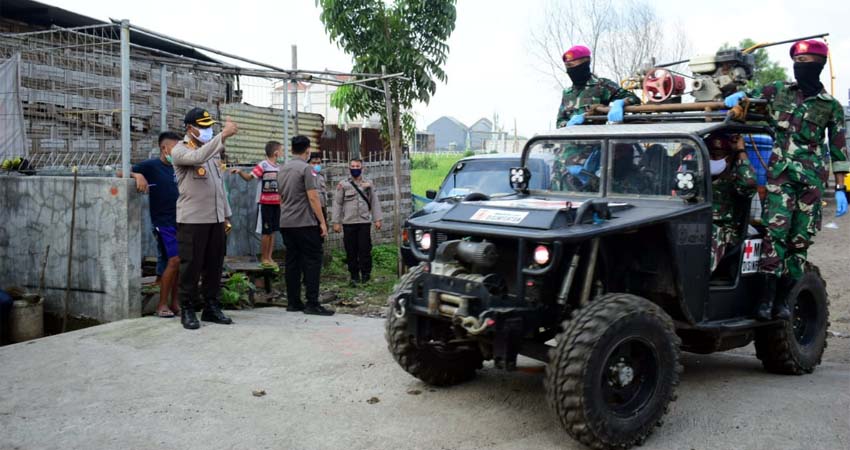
{"x": 604, "y": 276}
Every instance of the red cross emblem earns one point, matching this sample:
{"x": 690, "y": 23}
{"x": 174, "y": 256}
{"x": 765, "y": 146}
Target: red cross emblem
{"x": 748, "y": 249}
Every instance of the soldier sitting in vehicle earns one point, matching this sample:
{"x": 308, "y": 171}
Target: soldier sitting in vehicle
{"x": 576, "y": 169}
{"x": 733, "y": 183}
{"x": 626, "y": 177}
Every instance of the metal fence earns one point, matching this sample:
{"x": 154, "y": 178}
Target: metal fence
{"x": 70, "y": 91}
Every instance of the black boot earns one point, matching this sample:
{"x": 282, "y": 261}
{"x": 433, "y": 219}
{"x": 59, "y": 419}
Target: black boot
{"x": 212, "y": 313}
{"x": 767, "y": 297}
{"x": 188, "y": 318}
{"x": 365, "y": 278}
{"x": 780, "y": 305}
{"x": 355, "y": 280}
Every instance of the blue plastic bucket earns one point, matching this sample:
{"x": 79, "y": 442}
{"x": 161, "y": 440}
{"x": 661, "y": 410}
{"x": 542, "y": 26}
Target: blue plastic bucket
{"x": 759, "y": 154}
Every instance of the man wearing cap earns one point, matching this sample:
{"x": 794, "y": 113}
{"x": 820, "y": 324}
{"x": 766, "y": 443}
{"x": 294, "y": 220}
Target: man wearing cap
{"x": 800, "y": 113}
{"x": 587, "y": 89}
{"x": 202, "y": 210}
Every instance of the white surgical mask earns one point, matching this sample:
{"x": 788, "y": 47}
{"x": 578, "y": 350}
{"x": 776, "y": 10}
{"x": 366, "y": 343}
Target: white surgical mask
{"x": 717, "y": 166}
{"x": 204, "y": 135}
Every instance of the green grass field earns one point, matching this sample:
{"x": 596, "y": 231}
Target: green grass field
{"x": 428, "y": 171}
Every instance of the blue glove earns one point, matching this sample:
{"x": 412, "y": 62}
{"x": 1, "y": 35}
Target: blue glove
{"x": 840, "y": 203}
{"x": 733, "y": 100}
{"x": 574, "y": 170}
{"x": 615, "y": 114}
{"x": 576, "y": 120}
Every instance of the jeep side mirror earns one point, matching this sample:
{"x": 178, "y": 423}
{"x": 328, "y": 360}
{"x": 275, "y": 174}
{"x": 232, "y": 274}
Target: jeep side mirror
{"x": 430, "y": 194}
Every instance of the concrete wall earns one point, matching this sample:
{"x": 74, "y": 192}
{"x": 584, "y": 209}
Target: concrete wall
{"x": 35, "y": 212}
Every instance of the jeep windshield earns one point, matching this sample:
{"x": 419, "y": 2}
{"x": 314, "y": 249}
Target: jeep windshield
{"x": 489, "y": 176}
{"x": 639, "y": 166}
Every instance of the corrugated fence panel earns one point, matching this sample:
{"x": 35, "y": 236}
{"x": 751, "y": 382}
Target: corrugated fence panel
{"x": 258, "y": 125}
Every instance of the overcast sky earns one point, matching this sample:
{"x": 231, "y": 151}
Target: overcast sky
{"x": 489, "y": 67}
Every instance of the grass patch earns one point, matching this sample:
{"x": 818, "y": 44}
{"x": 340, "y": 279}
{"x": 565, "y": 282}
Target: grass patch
{"x": 428, "y": 171}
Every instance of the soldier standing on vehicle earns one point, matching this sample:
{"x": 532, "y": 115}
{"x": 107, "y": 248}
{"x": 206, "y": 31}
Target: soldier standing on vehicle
{"x": 800, "y": 113}
{"x": 202, "y": 214}
{"x": 733, "y": 183}
{"x": 355, "y": 208}
{"x": 587, "y": 89}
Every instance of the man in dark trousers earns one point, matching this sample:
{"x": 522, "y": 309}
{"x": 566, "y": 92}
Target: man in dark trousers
{"x": 202, "y": 210}
{"x": 356, "y": 207}
{"x": 303, "y": 228}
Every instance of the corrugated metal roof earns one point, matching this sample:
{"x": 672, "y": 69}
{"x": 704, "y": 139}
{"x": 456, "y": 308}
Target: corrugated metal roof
{"x": 258, "y": 125}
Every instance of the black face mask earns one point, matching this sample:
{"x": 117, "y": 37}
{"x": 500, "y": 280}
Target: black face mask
{"x": 807, "y": 75}
{"x": 579, "y": 74}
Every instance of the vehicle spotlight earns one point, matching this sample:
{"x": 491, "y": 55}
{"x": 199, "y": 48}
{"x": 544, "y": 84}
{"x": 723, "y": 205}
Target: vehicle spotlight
{"x": 541, "y": 255}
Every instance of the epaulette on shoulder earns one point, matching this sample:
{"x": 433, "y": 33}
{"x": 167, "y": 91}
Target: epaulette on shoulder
{"x": 826, "y": 96}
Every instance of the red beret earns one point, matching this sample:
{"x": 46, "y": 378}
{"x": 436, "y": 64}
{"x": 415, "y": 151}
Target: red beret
{"x": 809, "y": 47}
{"x": 576, "y": 52}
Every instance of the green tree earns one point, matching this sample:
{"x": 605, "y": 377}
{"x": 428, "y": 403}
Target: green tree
{"x": 407, "y": 36}
{"x": 765, "y": 71}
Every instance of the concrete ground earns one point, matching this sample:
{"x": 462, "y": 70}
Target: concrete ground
{"x": 330, "y": 383}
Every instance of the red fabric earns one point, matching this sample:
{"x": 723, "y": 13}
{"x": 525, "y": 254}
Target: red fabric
{"x": 576, "y": 52}
{"x": 809, "y": 47}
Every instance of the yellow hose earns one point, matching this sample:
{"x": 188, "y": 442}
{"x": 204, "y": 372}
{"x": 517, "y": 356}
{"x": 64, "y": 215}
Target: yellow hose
{"x": 831, "y": 73}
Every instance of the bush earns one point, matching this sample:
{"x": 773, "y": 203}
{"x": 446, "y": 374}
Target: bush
{"x": 428, "y": 162}
{"x": 468, "y": 153}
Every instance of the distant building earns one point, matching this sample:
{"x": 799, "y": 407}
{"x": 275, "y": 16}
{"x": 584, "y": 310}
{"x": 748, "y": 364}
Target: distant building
{"x": 479, "y": 132}
{"x": 448, "y": 133}
{"x": 425, "y": 142}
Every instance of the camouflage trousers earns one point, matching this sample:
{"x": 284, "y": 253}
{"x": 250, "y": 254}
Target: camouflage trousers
{"x": 722, "y": 237}
{"x": 792, "y": 212}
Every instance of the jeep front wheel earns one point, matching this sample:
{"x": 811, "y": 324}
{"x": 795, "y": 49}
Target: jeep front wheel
{"x": 614, "y": 371}
{"x": 432, "y": 358}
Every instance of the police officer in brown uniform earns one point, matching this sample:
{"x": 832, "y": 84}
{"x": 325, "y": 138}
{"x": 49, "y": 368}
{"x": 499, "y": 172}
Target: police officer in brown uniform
{"x": 202, "y": 211}
{"x": 355, "y": 208}
{"x": 303, "y": 228}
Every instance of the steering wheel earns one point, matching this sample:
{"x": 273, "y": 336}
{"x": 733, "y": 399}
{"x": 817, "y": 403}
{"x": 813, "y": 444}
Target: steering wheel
{"x": 660, "y": 84}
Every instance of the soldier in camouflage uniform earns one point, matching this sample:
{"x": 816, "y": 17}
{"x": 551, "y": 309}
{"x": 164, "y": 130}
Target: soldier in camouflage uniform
{"x": 733, "y": 183}
{"x": 587, "y": 89}
{"x": 800, "y": 113}
{"x": 626, "y": 177}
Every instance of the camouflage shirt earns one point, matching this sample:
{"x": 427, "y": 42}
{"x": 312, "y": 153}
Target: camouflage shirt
{"x": 597, "y": 91}
{"x": 800, "y": 124}
{"x": 730, "y": 190}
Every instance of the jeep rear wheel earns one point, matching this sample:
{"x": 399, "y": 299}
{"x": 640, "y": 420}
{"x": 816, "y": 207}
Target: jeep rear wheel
{"x": 431, "y": 358}
{"x": 796, "y": 346}
{"x": 614, "y": 371}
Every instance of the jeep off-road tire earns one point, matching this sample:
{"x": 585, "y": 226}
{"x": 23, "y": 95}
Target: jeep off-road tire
{"x": 428, "y": 362}
{"x": 614, "y": 371}
{"x": 796, "y": 346}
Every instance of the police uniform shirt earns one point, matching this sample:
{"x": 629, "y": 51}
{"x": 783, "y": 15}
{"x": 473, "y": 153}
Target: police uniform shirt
{"x": 198, "y": 171}
{"x": 349, "y": 207}
{"x": 295, "y": 178}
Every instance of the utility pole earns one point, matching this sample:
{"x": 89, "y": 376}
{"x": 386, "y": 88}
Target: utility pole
{"x": 395, "y": 149}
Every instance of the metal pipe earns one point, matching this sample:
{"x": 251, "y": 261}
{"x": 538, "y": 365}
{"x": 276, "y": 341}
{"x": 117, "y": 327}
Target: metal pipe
{"x": 568, "y": 281}
{"x": 286, "y": 149}
{"x": 125, "y": 98}
{"x": 295, "y": 95}
{"x": 209, "y": 49}
{"x": 590, "y": 272}
{"x": 163, "y": 99}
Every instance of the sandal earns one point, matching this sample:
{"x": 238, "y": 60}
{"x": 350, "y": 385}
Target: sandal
{"x": 165, "y": 313}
